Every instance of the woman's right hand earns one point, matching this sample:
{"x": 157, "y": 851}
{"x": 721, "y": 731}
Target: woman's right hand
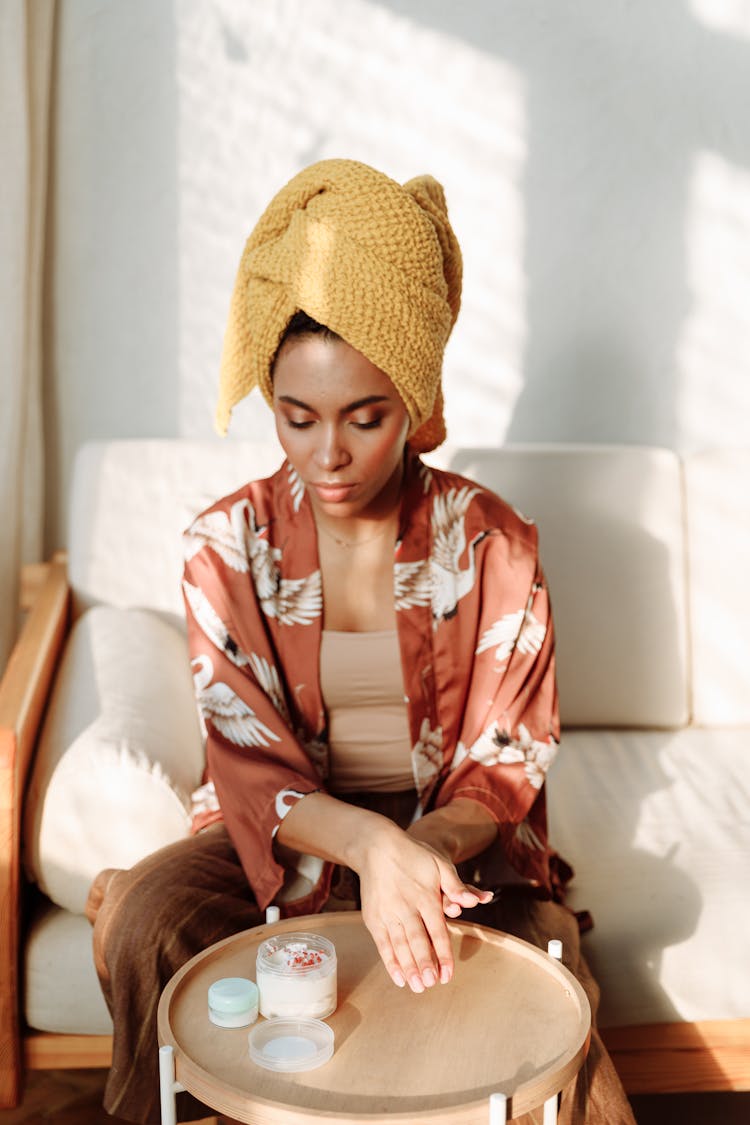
{"x": 407, "y": 885}
{"x": 407, "y": 889}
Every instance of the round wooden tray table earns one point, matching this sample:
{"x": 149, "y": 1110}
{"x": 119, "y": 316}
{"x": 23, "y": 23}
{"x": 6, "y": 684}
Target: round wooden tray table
{"x": 513, "y": 1022}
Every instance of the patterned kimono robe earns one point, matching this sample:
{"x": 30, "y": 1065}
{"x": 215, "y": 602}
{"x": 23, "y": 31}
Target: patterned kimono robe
{"x": 477, "y": 654}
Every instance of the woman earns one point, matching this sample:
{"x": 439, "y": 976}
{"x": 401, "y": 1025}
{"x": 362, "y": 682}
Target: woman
{"x": 371, "y": 640}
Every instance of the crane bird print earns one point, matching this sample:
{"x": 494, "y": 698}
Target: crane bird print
{"x": 440, "y": 581}
{"x": 224, "y": 709}
{"x": 243, "y": 545}
{"x": 520, "y": 630}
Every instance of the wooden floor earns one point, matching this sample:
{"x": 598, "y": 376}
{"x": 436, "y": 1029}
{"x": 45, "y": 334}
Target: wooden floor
{"x": 73, "y": 1097}
{"x": 66, "y": 1097}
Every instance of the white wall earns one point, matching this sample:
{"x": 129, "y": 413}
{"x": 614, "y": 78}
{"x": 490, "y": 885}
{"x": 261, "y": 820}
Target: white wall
{"x": 596, "y": 159}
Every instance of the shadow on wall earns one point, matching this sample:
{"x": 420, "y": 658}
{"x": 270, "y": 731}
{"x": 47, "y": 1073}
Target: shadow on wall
{"x": 607, "y": 333}
{"x": 111, "y": 327}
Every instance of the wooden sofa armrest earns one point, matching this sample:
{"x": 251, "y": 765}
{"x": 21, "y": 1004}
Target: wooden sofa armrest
{"x": 24, "y": 690}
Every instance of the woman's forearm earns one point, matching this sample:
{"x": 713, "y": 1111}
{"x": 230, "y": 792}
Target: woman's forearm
{"x": 342, "y": 833}
{"x": 324, "y": 826}
{"x": 459, "y": 830}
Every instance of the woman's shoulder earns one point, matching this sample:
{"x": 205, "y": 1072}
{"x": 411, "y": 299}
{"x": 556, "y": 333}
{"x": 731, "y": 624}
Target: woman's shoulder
{"x": 483, "y": 510}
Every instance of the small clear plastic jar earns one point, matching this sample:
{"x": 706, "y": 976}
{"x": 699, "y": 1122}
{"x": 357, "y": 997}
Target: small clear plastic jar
{"x": 233, "y": 1002}
{"x": 296, "y": 976}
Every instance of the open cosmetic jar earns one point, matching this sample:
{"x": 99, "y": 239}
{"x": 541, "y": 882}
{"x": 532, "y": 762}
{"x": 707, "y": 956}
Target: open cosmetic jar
{"x": 296, "y": 976}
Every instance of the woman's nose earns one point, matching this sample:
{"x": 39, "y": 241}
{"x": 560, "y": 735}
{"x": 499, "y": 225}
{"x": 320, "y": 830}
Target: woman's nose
{"x": 332, "y": 453}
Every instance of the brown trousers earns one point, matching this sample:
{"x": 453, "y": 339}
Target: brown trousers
{"x": 150, "y": 920}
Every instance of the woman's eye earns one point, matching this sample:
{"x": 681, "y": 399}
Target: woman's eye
{"x": 299, "y": 425}
{"x": 373, "y": 425}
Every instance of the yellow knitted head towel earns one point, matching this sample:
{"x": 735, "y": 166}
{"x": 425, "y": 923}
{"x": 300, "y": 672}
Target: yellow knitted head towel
{"x": 375, "y": 261}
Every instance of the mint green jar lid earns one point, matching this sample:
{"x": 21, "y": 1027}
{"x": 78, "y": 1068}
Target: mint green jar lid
{"x": 232, "y": 995}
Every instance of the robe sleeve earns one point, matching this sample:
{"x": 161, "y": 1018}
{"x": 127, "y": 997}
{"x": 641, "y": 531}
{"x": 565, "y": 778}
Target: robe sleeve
{"x": 254, "y": 759}
{"x": 509, "y": 730}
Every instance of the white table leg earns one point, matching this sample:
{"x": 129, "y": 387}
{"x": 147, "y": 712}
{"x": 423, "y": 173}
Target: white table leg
{"x": 498, "y": 1102}
{"x": 168, "y": 1086}
{"x": 498, "y": 1109}
{"x": 555, "y": 950}
{"x": 550, "y": 1111}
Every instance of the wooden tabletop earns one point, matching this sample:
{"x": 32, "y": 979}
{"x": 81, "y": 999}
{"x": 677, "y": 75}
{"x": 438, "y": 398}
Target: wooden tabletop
{"x": 513, "y": 1020}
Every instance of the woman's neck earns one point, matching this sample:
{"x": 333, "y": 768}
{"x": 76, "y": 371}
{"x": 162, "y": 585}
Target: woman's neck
{"x": 357, "y": 533}
{"x": 357, "y": 576}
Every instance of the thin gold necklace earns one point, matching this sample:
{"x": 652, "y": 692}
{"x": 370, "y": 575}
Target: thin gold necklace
{"x": 357, "y": 542}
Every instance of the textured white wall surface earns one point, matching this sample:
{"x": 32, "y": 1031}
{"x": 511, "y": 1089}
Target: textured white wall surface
{"x": 596, "y": 161}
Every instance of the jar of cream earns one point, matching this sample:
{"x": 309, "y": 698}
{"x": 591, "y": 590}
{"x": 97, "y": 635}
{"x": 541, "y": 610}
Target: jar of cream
{"x": 233, "y": 1002}
{"x": 296, "y": 975}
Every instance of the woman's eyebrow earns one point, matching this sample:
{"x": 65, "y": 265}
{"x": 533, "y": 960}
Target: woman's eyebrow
{"x": 295, "y": 402}
{"x": 368, "y": 401}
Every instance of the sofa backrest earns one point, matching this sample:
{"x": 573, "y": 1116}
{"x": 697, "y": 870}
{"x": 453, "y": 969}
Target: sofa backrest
{"x": 612, "y": 545}
{"x": 131, "y": 501}
{"x": 612, "y": 542}
{"x": 717, "y": 488}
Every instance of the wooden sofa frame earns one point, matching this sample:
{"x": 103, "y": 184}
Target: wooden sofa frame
{"x": 653, "y": 1058}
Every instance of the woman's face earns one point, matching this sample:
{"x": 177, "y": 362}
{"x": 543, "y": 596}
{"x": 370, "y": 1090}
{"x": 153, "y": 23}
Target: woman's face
{"x": 342, "y": 426}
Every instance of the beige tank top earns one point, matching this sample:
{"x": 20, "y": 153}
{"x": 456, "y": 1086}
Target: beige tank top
{"x": 363, "y": 690}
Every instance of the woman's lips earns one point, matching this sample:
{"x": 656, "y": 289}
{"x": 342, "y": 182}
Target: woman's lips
{"x": 333, "y": 493}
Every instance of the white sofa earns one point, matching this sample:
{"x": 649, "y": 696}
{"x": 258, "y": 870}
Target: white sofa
{"x": 647, "y": 556}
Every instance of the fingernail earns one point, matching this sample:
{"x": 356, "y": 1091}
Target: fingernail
{"x": 416, "y": 983}
{"x": 398, "y": 979}
{"x": 445, "y": 974}
{"x": 429, "y": 978}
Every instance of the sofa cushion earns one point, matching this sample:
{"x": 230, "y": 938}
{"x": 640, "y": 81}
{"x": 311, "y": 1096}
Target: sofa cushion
{"x": 657, "y": 829}
{"x": 120, "y": 751}
{"x": 611, "y": 534}
{"x": 717, "y": 485}
{"x": 61, "y": 991}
